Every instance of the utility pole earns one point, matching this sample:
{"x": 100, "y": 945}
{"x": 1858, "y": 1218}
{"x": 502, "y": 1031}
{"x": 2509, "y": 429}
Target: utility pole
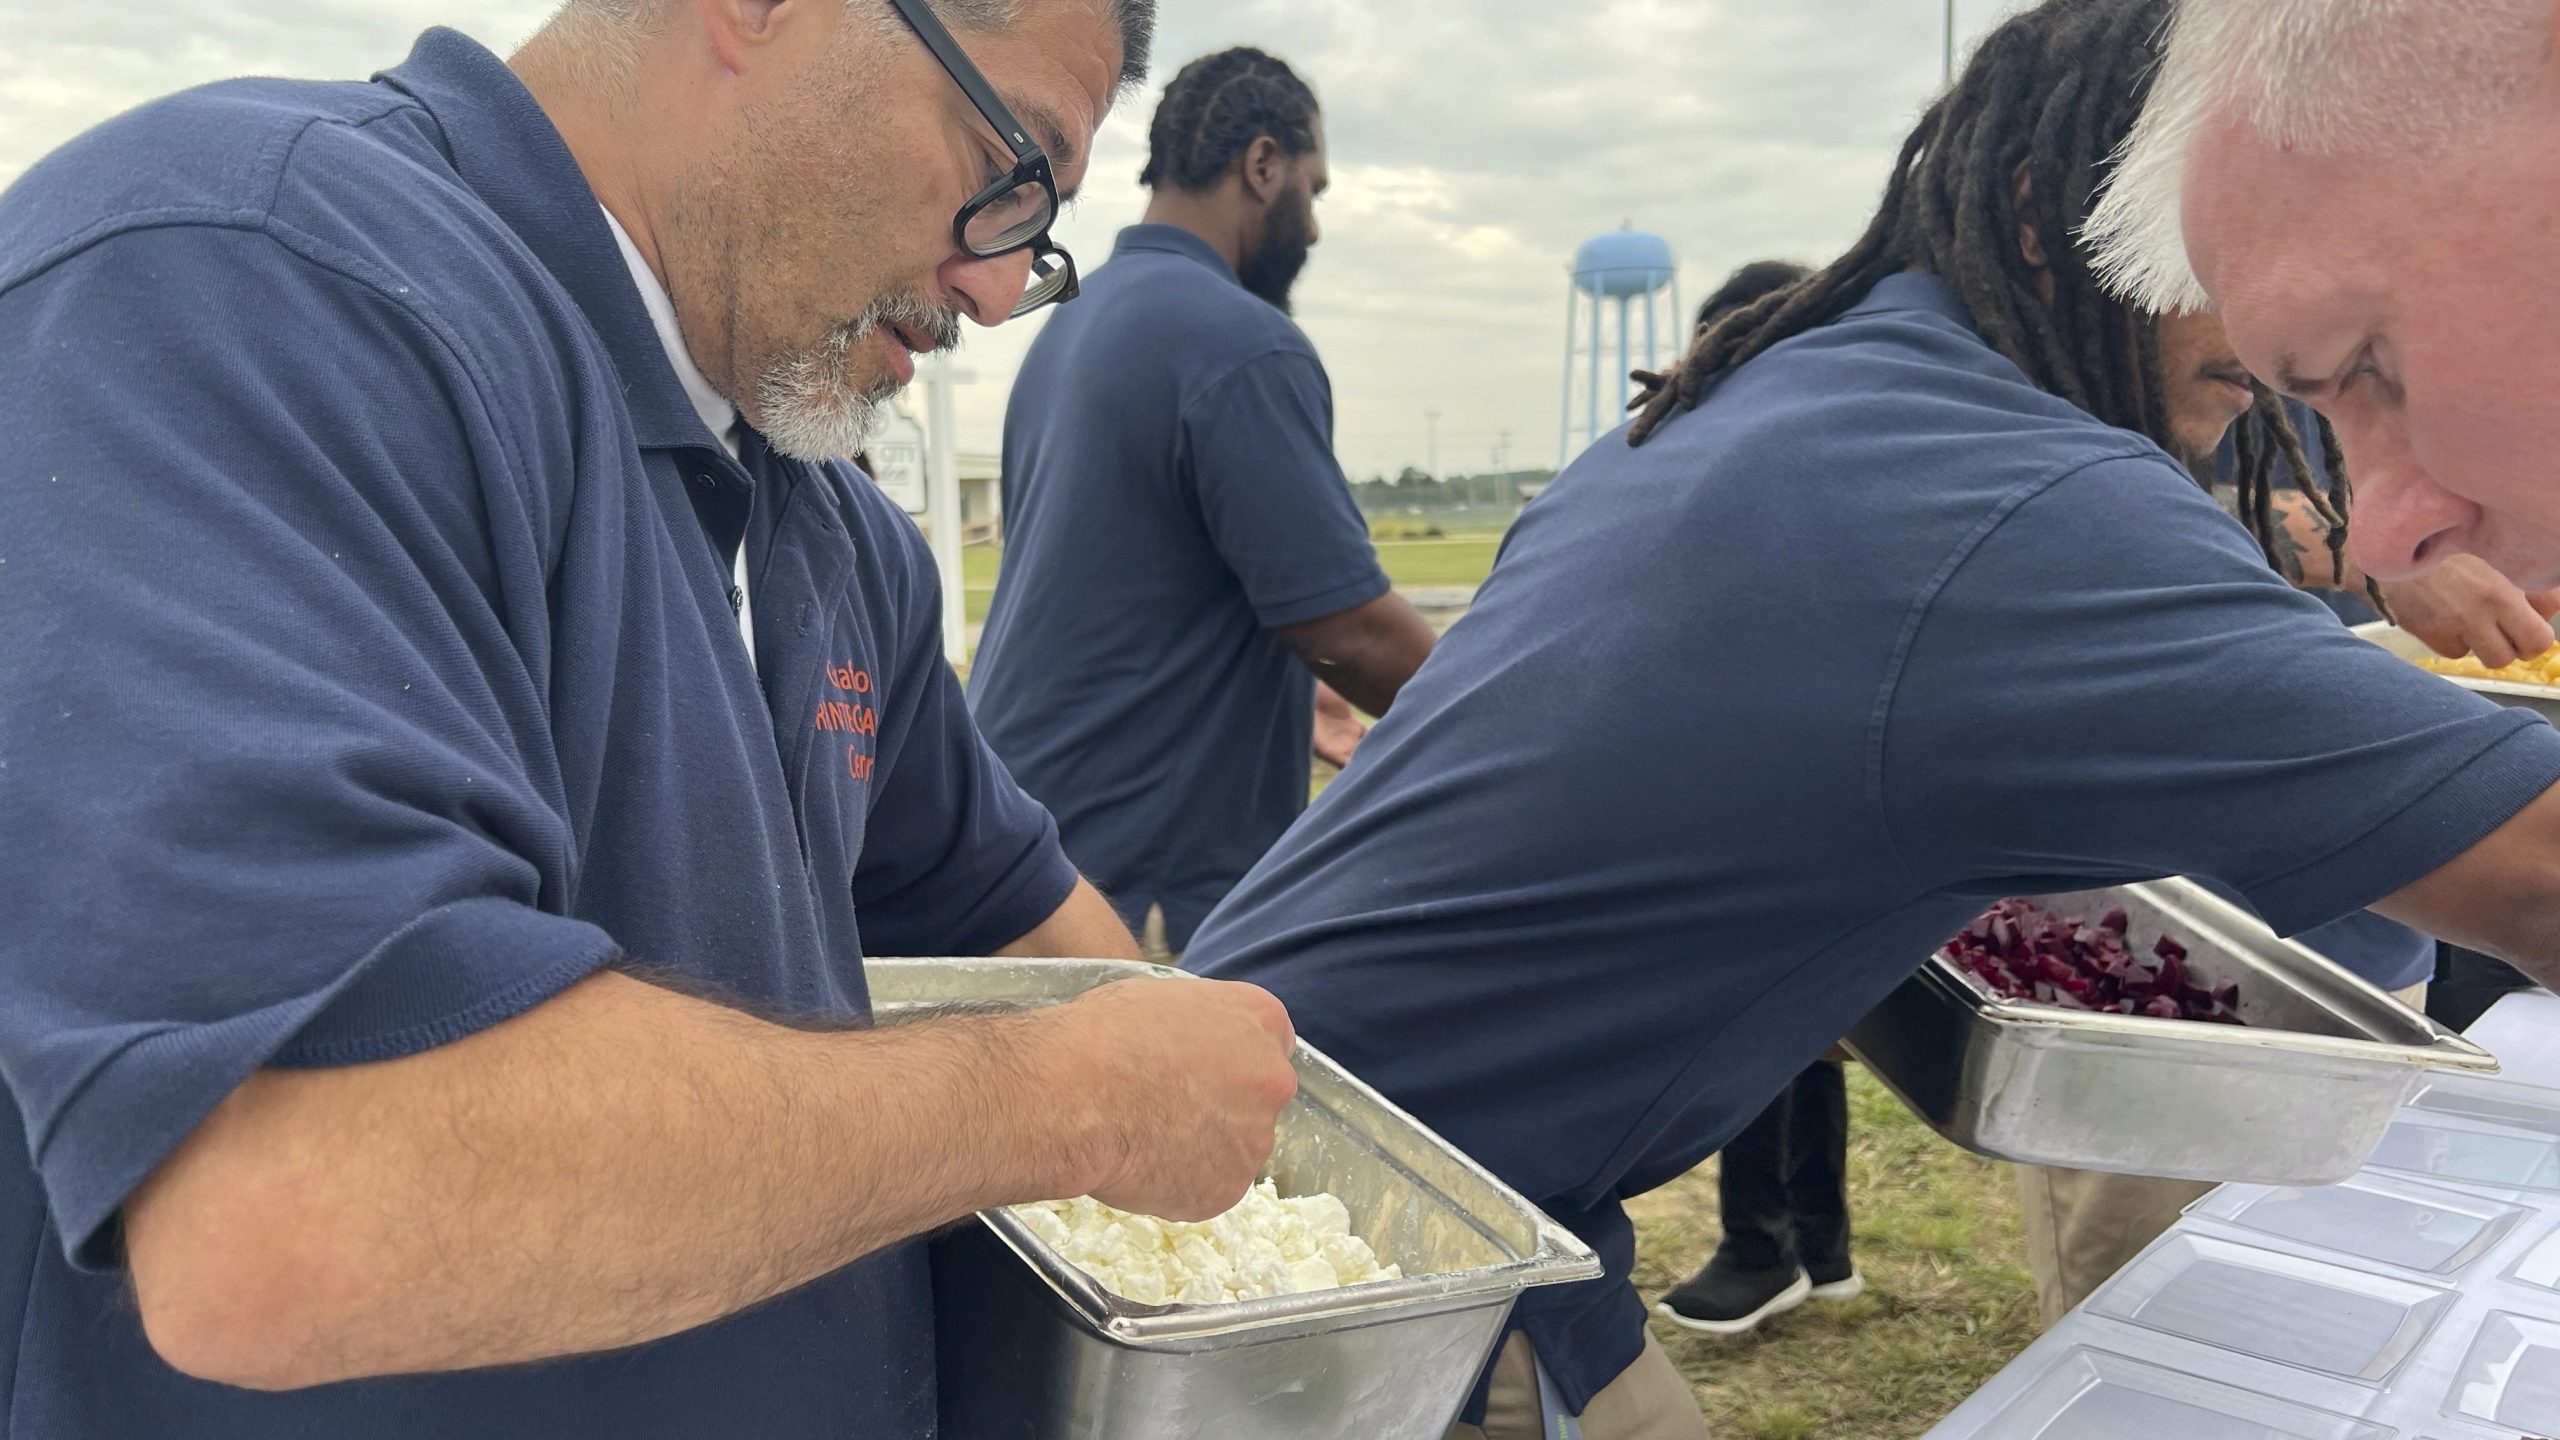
{"x": 1947, "y": 58}
{"x": 1431, "y": 418}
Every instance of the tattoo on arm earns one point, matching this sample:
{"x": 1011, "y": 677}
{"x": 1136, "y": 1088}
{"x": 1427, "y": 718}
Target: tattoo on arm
{"x": 2288, "y": 553}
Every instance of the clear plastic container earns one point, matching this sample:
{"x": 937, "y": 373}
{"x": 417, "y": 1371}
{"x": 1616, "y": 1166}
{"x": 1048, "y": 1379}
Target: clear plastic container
{"x": 2539, "y": 1267}
{"x": 2284, "y": 1308}
{"x": 2399, "y": 1223}
{"x": 2093, "y": 1395}
{"x": 2512, "y": 1375}
{"x": 2468, "y": 1149}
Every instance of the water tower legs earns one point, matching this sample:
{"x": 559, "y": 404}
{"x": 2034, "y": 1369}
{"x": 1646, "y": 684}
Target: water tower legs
{"x": 1591, "y": 430}
{"x": 1564, "y": 411}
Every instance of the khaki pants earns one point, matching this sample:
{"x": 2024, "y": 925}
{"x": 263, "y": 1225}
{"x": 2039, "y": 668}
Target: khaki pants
{"x": 1649, "y": 1402}
{"x": 2084, "y": 1226}
{"x": 1151, "y": 939}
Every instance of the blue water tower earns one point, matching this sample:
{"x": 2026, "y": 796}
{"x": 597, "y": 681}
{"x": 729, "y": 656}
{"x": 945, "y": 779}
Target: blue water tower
{"x": 1626, "y": 285}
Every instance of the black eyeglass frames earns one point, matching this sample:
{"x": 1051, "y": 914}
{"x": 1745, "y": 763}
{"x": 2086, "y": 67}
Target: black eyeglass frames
{"x": 1016, "y": 209}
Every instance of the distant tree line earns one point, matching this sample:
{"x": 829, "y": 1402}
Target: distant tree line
{"x": 1411, "y": 487}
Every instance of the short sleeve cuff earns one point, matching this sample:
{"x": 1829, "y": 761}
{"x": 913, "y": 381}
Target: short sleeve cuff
{"x": 2441, "y": 824}
{"x": 1019, "y": 902}
{"x": 453, "y": 971}
{"x": 1333, "y": 600}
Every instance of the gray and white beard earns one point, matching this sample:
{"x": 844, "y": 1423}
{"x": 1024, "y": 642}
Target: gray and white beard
{"x": 812, "y": 410}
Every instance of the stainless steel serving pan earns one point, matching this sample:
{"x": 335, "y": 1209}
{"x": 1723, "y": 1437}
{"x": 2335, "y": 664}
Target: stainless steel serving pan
{"x": 2543, "y": 699}
{"x": 1032, "y": 1349}
{"x": 2300, "y": 1095}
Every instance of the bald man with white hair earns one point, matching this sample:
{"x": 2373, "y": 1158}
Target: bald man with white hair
{"x": 2369, "y": 191}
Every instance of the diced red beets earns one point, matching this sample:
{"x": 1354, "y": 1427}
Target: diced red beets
{"x": 2023, "y": 953}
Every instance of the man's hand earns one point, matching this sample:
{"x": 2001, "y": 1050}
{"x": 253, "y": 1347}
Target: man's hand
{"x": 2462, "y": 607}
{"x": 1182, "y": 1081}
{"x": 1338, "y": 727}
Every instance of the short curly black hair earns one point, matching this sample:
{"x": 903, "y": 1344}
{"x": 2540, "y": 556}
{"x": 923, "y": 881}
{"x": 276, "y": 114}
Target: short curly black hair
{"x": 1215, "y": 109}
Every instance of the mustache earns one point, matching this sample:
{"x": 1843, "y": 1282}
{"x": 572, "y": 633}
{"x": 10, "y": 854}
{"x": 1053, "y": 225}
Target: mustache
{"x": 938, "y": 326}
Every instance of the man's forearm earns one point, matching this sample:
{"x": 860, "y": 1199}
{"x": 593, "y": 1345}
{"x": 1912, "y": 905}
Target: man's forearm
{"x": 1085, "y": 927}
{"x": 1367, "y": 653}
{"x": 2501, "y": 897}
{"x": 616, "y": 1165}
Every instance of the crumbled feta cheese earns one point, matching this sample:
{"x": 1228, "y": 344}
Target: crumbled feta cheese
{"x": 1265, "y": 1246}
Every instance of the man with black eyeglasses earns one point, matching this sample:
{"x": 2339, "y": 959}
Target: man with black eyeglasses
{"x": 464, "y": 729}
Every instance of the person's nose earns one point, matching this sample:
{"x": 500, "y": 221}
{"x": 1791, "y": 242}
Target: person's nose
{"x": 986, "y": 290}
{"x": 2403, "y": 521}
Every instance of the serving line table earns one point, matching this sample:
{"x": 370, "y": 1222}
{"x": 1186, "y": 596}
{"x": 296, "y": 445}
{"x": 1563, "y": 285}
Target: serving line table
{"x": 2419, "y": 1300}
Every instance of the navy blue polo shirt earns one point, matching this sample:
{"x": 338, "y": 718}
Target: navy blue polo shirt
{"x": 1170, "y": 498}
{"x": 372, "y": 678}
{"x": 1749, "y": 720}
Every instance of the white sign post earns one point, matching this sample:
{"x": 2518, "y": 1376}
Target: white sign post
{"x": 897, "y": 461}
{"x": 942, "y": 500}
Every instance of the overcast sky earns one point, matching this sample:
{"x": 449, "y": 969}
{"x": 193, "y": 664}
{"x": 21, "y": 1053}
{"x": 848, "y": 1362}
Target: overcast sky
{"x": 1475, "y": 143}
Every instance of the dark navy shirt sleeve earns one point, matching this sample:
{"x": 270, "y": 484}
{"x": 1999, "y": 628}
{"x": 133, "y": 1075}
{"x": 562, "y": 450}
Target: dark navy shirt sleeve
{"x": 1272, "y": 496}
{"x": 272, "y": 737}
{"x": 2111, "y": 680}
{"x": 957, "y": 859}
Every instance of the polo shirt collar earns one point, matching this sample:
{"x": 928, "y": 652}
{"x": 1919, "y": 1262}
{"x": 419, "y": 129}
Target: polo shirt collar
{"x": 1917, "y": 290}
{"x": 1174, "y": 240}
{"x": 718, "y": 415}
{"x": 506, "y": 149}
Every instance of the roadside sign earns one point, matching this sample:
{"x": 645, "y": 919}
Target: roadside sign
{"x": 897, "y": 462}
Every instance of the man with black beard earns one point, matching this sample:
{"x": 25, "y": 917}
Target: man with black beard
{"x": 1179, "y": 538}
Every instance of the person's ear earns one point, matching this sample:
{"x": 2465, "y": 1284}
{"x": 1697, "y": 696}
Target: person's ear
{"x": 1264, "y": 168}
{"x": 740, "y": 32}
{"x": 2030, "y": 245}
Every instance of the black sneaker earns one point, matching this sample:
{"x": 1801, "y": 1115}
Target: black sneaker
{"x": 1836, "y": 1281}
{"x": 1725, "y": 1299}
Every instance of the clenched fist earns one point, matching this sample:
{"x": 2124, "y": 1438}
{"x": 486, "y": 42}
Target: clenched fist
{"x": 1174, "y": 1089}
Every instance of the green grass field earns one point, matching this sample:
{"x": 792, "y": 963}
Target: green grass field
{"x": 1461, "y": 560}
{"x": 1948, "y": 1298}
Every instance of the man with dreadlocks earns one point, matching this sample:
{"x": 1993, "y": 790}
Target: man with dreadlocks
{"x": 1782, "y": 1181}
{"x": 1182, "y": 547}
{"x": 1691, "y": 789}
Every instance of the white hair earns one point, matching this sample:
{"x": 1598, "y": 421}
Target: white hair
{"x": 2390, "y": 77}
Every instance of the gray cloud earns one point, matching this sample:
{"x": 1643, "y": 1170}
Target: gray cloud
{"x": 1475, "y": 143}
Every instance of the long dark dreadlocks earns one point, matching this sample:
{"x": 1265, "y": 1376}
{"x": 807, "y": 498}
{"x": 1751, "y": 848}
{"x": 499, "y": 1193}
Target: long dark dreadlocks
{"x": 2048, "y": 97}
